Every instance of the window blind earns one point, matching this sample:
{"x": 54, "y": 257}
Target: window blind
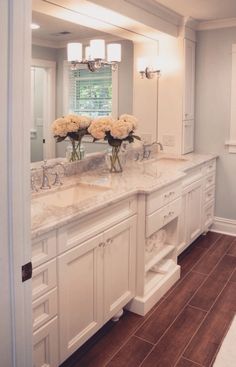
{"x": 90, "y": 93}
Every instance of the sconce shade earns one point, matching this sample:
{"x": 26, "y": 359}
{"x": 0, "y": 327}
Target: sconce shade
{"x": 97, "y": 49}
{"x": 141, "y": 63}
{"x": 74, "y": 52}
{"x": 87, "y": 53}
{"x": 114, "y": 52}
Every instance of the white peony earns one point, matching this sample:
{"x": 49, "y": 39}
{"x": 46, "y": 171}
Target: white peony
{"x": 120, "y": 129}
{"x": 131, "y": 120}
{"x": 99, "y": 126}
{"x": 69, "y": 124}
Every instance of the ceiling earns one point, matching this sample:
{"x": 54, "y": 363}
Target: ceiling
{"x": 202, "y": 10}
{"x": 51, "y": 28}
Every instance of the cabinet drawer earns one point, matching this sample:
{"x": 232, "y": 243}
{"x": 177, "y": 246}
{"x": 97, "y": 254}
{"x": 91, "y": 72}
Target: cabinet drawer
{"x": 45, "y": 345}
{"x": 44, "y": 309}
{"x": 158, "y": 199}
{"x": 193, "y": 175}
{"x": 43, "y": 248}
{"x": 210, "y": 180}
{"x": 208, "y": 215}
{"x": 209, "y": 194}
{"x": 163, "y": 216}
{"x": 91, "y": 225}
{"x": 44, "y": 279}
{"x": 210, "y": 166}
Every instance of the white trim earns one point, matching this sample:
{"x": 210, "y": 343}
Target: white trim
{"x": 216, "y": 24}
{"x": 232, "y": 139}
{"x": 15, "y": 246}
{"x": 154, "y": 8}
{"x": 224, "y": 225}
{"x": 49, "y": 103}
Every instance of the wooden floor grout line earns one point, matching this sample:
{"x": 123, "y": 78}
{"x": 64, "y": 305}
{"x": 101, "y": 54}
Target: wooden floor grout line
{"x": 207, "y": 313}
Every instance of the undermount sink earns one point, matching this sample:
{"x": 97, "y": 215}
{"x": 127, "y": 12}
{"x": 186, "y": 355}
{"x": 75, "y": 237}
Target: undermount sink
{"x": 166, "y": 162}
{"x": 65, "y": 197}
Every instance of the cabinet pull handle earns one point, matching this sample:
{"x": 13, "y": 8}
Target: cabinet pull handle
{"x": 109, "y": 241}
{"x": 101, "y": 244}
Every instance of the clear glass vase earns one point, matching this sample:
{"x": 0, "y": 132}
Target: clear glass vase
{"x": 75, "y": 151}
{"x": 115, "y": 159}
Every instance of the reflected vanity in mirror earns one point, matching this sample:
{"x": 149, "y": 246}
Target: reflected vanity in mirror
{"x": 57, "y": 90}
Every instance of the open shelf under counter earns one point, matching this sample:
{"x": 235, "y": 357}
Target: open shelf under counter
{"x": 157, "y": 255}
{"x": 153, "y": 277}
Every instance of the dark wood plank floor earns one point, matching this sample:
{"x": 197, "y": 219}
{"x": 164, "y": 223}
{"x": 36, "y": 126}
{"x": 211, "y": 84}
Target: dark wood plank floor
{"x": 186, "y": 327}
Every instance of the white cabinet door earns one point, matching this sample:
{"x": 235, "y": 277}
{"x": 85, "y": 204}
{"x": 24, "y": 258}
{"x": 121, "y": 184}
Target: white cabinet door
{"x": 189, "y": 82}
{"x": 80, "y": 294}
{"x": 194, "y": 210}
{"x": 119, "y": 266}
{"x": 188, "y": 136}
{"x": 45, "y": 345}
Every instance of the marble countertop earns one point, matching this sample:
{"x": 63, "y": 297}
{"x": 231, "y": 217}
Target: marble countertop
{"x": 89, "y": 191}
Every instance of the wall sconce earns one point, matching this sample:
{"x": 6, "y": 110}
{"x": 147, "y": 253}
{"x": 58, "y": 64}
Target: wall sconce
{"x": 94, "y": 55}
{"x": 147, "y": 71}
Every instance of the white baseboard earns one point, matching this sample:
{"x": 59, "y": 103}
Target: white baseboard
{"x": 224, "y": 225}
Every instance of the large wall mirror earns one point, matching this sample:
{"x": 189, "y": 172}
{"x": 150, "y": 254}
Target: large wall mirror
{"x": 57, "y": 90}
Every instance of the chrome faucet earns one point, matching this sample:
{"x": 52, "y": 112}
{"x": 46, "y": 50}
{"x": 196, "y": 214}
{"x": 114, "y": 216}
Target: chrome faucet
{"x": 147, "y": 152}
{"x": 45, "y": 179}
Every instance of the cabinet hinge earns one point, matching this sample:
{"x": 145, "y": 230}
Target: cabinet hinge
{"x": 26, "y": 271}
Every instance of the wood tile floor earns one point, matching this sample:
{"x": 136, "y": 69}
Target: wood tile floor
{"x": 186, "y": 327}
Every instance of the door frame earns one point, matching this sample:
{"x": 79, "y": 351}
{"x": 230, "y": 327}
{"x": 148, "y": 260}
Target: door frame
{"x": 15, "y": 246}
{"x": 49, "y": 103}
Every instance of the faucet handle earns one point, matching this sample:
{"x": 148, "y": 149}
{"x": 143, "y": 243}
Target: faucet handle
{"x": 58, "y": 174}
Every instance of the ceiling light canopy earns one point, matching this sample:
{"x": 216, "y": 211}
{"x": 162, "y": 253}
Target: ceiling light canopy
{"x": 34, "y": 26}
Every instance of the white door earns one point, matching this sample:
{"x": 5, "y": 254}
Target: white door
{"x": 80, "y": 294}
{"x": 189, "y": 85}
{"x": 43, "y": 74}
{"x": 195, "y": 211}
{"x": 15, "y": 300}
{"x": 119, "y": 266}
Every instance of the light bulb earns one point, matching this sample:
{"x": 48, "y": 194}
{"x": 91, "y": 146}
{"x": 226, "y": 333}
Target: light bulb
{"x": 74, "y": 51}
{"x": 114, "y": 52}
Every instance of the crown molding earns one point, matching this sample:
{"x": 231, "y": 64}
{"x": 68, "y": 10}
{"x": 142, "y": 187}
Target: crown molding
{"x": 216, "y": 24}
{"x": 191, "y": 23}
{"x": 154, "y": 8}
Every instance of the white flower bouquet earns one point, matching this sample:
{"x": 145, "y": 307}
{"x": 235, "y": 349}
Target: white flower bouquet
{"x": 74, "y": 127}
{"x": 115, "y": 132}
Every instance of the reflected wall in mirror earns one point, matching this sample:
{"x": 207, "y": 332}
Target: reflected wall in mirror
{"x": 82, "y": 92}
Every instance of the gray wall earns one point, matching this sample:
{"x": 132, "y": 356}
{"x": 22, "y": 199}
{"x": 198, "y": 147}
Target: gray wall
{"x": 44, "y": 53}
{"x": 213, "y": 88}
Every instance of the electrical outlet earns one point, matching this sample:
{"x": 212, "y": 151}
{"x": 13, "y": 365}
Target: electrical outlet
{"x": 168, "y": 140}
{"x": 146, "y": 138}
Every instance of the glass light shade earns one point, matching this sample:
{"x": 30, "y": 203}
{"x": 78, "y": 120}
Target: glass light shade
{"x": 88, "y": 53}
{"x": 74, "y": 51}
{"x": 141, "y": 63}
{"x": 97, "y": 49}
{"x": 114, "y": 52}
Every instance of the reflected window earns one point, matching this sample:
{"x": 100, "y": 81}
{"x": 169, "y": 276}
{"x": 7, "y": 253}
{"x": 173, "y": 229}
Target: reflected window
{"x": 90, "y": 93}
